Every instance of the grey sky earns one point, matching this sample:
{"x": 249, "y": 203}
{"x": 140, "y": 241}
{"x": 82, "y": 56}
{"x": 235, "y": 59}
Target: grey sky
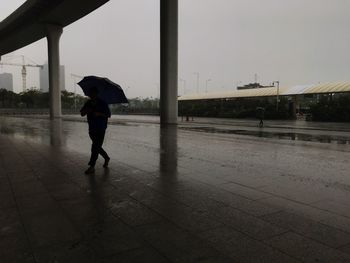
{"x": 294, "y": 41}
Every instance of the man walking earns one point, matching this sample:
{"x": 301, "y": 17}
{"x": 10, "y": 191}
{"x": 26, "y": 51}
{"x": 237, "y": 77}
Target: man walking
{"x": 97, "y": 112}
{"x": 260, "y": 112}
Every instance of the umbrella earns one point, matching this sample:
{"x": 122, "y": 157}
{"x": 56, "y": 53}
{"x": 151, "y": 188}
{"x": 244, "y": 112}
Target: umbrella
{"x": 108, "y": 91}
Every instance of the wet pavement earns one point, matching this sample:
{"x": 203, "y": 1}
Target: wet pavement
{"x": 176, "y": 194}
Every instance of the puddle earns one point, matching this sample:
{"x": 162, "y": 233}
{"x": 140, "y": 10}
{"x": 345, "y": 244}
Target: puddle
{"x": 293, "y": 136}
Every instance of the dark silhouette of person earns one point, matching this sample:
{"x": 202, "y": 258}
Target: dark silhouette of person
{"x": 260, "y": 112}
{"x": 97, "y": 112}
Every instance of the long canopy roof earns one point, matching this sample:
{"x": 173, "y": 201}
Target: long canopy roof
{"x": 27, "y": 24}
{"x": 337, "y": 87}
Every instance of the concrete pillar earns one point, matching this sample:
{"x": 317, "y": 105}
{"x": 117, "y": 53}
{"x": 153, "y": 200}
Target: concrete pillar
{"x": 168, "y": 61}
{"x": 54, "y": 33}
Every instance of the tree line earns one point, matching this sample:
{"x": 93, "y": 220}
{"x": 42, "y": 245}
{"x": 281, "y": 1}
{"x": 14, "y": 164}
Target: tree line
{"x": 328, "y": 107}
{"x": 35, "y": 99}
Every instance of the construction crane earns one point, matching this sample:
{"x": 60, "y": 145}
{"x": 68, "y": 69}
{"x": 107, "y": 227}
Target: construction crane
{"x": 24, "y": 70}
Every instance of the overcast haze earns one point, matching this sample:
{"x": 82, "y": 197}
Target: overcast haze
{"x": 228, "y": 41}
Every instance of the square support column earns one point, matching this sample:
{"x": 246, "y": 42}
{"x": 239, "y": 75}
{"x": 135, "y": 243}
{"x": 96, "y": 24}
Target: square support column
{"x": 54, "y": 33}
{"x": 168, "y": 61}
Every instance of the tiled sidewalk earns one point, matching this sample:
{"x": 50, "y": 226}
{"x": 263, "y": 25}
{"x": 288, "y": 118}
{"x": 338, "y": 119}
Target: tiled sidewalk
{"x": 52, "y": 212}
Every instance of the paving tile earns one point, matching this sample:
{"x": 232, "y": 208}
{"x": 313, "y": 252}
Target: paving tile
{"x": 15, "y": 249}
{"x": 345, "y": 249}
{"x": 176, "y": 244}
{"x": 29, "y": 187}
{"x": 248, "y": 224}
{"x": 105, "y": 246}
{"x": 55, "y": 178}
{"x": 10, "y": 222}
{"x": 82, "y": 210}
{"x": 218, "y": 259}
{"x": 65, "y": 191}
{"x": 63, "y": 253}
{"x": 49, "y": 229}
{"x": 134, "y": 213}
{"x": 15, "y": 257}
{"x": 316, "y": 214}
{"x": 244, "y": 204}
{"x": 5, "y": 187}
{"x": 191, "y": 220}
{"x": 306, "y": 249}
{"x": 242, "y": 248}
{"x": 22, "y": 176}
{"x": 244, "y": 191}
{"x": 205, "y": 177}
{"x": 306, "y": 195}
{"x": 7, "y": 201}
{"x": 180, "y": 214}
{"x": 36, "y": 204}
{"x": 137, "y": 256}
{"x": 110, "y": 237}
{"x": 200, "y": 203}
{"x": 333, "y": 206}
{"x": 310, "y": 228}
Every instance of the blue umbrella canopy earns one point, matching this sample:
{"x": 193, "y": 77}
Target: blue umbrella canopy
{"x": 108, "y": 91}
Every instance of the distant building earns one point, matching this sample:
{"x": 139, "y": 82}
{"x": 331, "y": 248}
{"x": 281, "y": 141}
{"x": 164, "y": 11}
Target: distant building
{"x": 44, "y": 78}
{"x": 6, "y": 81}
{"x": 252, "y": 86}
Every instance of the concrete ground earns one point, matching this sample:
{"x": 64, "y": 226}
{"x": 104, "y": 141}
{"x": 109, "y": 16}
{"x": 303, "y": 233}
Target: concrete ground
{"x": 173, "y": 194}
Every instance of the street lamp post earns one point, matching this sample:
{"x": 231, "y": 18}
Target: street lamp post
{"x": 127, "y": 91}
{"x": 278, "y": 93}
{"x": 206, "y": 85}
{"x": 197, "y": 74}
{"x": 184, "y": 85}
{"x": 75, "y": 76}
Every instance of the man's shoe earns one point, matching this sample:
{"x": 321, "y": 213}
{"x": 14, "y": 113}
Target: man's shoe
{"x": 105, "y": 165}
{"x": 90, "y": 170}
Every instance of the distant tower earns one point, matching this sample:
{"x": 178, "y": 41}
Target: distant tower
{"x": 24, "y": 77}
{"x": 255, "y": 78}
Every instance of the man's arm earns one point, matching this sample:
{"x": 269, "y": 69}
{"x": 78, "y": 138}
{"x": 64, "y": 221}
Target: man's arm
{"x": 85, "y": 109}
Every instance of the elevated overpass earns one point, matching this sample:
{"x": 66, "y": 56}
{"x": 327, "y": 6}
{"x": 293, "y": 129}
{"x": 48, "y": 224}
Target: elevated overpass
{"x": 37, "y": 19}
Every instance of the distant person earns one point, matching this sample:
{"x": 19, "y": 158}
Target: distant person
{"x": 260, "y": 112}
{"x": 97, "y": 112}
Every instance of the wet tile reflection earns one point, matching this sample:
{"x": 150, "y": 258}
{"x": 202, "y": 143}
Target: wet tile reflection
{"x": 186, "y": 195}
{"x": 168, "y": 152}
{"x": 56, "y": 135}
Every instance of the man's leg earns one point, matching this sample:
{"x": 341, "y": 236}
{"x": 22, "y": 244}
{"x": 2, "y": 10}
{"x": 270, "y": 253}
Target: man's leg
{"x": 102, "y": 151}
{"x": 95, "y": 148}
{"x": 261, "y": 124}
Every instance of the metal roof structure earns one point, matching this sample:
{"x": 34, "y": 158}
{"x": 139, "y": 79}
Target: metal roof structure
{"x": 337, "y": 87}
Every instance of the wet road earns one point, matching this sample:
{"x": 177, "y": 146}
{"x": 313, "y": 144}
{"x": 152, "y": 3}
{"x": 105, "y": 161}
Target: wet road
{"x": 203, "y": 151}
{"x": 271, "y": 199}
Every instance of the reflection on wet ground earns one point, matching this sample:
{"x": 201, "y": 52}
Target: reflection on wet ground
{"x": 294, "y": 136}
{"x": 37, "y": 129}
{"x": 171, "y": 194}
